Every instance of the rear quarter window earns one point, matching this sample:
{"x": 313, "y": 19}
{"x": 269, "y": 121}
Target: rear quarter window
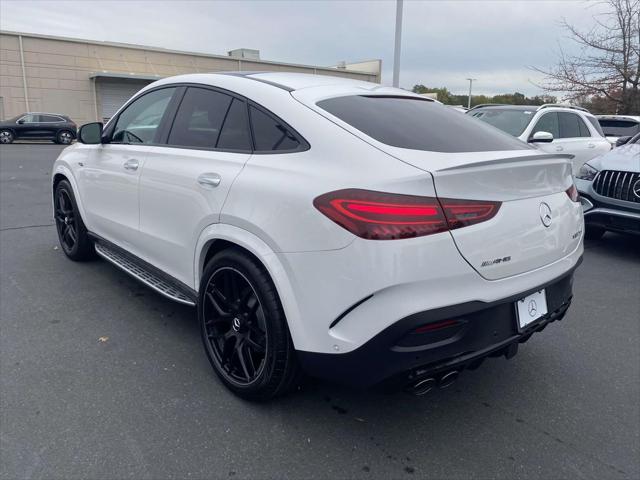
{"x": 596, "y": 125}
{"x": 417, "y": 124}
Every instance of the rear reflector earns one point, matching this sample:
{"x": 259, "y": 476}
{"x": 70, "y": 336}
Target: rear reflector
{"x": 430, "y": 327}
{"x": 389, "y": 216}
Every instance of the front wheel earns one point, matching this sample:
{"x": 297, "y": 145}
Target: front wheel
{"x": 72, "y": 233}
{"x": 244, "y": 329}
{"x": 6, "y": 136}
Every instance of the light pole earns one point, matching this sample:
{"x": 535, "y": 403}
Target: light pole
{"x": 396, "y": 49}
{"x": 470, "y": 85}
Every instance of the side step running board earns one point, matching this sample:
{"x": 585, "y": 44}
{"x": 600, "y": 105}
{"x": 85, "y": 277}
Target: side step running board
{"x": 144, "y": 274}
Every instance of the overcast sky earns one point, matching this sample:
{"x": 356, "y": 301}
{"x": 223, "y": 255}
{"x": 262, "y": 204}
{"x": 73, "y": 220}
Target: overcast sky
{"x": 443, "y": 42}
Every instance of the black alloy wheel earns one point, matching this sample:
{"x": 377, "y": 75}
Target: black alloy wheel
{"x": 235, "y": 325}
{"x": 65, "y": 221}
{"x": 72, "y": 232}
{"x": 244, "y": 329}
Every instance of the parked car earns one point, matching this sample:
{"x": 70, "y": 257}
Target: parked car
{"x": 615, "y": 126}
{"x": 553, "y": 128}
{"x": 38, "y": 126}
{"x": 299, "y": 214}
{"x": 609, "y": 188}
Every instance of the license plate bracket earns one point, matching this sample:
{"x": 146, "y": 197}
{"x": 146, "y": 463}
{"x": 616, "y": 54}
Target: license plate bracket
{"x": 531, "y": 308}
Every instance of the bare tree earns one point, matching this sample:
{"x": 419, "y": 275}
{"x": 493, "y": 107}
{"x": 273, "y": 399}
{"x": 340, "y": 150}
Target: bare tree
{"x": 608, "y": 65}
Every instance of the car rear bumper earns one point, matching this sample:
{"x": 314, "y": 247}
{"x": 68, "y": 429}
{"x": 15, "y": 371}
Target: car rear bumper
{"x": 398, "y": 356}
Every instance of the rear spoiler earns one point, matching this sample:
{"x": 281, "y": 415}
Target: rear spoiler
{"x": 546, "y": 156}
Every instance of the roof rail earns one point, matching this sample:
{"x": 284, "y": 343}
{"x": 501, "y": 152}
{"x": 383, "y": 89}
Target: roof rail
{"x": 489, "y": 105}
{"x": 573, "y": 107}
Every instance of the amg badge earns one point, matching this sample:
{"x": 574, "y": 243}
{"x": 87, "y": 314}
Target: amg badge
{"x": 488, "y": 263}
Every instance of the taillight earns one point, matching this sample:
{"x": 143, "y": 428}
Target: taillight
{"x": 462, "y": 213}
{"x": 388, "y": 216}
{"x": 572, "y": 191}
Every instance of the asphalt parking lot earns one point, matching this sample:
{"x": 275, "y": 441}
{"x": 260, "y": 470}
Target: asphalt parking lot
{"x": 101, "y": 378}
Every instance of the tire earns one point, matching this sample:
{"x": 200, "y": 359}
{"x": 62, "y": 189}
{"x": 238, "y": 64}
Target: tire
{"x": 72, "y": 233}
{"x": 244, "y": 329}
{"x": 6, "y": 136}
{"x": 64, "y": 137}
{"x": 593, "y": 233}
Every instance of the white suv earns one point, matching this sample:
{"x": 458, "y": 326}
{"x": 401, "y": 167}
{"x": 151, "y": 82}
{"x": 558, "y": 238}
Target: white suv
{"x": 355, "y": 232}
{"x": 553, "y": 128}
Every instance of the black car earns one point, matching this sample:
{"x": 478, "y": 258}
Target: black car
{"x": 38, "y": 126}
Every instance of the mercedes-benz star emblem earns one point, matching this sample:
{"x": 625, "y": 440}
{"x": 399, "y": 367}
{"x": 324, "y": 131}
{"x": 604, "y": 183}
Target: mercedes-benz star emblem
{"x": 236, "y": 324}
{"x": 533, "y": 308}
{"x": 636, "y": 188}
{"x": 545, "y": 214}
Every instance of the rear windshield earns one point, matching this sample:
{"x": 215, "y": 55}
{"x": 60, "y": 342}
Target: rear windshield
{"x": 510, "y": 121}
{"x": 619, "y": 128}
{"x": 410, "y": 122}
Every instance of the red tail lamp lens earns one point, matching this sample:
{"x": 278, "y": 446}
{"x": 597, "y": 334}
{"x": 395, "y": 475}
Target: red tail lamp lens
{"x": 388, "y": 216}
{"x": 572, "y": 191}
{"x": 462, "y": 213}
{"x": 382, "y": 216}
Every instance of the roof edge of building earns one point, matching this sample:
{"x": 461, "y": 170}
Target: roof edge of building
{"x": 180, "y": 52}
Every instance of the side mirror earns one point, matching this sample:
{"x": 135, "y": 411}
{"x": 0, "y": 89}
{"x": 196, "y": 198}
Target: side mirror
{"x": 20, "y": 122}
{"x": 90, "y": 133}
{"x": 541, "y": 137}
{"x": 622, "y": 141}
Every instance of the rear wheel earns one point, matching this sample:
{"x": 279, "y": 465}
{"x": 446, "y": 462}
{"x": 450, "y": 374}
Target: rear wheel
{"x": 6, "y": 136}
{"x": 65, "y": 137}
{"x": 72, "y": 232}
{"x": 593, "y": 233}
{"x": 244, "y": 329}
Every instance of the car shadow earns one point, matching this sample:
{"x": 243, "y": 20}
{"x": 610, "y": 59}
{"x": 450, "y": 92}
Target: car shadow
{"x": 616, "y": 245}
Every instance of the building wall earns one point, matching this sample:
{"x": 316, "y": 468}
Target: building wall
{"x": 59, "y": 72}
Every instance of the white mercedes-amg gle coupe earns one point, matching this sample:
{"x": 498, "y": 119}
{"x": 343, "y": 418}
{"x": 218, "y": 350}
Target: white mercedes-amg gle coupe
{"x": 340, "y": 228}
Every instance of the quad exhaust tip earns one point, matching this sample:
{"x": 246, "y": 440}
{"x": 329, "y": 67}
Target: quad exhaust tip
{"x": 425, "y": 385}
{"x": 448, "y": 379}
{"x": 422, "y": 387}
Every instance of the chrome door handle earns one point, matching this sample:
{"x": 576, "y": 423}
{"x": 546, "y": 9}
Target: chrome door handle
{"x": 131, "y": 164}
{"x": 559, "y": 148}
{"x": 209, "y": 179}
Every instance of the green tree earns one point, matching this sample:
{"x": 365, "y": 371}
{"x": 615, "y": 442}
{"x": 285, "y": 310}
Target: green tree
{"x": 516, "y": 98}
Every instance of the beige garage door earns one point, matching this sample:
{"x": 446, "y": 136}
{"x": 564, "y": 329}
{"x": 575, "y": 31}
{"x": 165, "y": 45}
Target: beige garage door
{"x": 114, "y": 92}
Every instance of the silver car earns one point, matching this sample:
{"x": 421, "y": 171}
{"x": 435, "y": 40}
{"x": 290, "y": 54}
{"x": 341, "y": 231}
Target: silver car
{"x": 609, "y": 187}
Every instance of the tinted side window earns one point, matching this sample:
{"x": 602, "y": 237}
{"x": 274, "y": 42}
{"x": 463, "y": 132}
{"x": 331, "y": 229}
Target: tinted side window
{"x": 584, "y": 130}
{"x": 569, "y": 126}
{"x": 548, "y": 123}
{"x": 139, "y": 122}
{"x": 50, "y": 119}
{"x": 30, "y": 118}
{"x": 596, "y": 125}
{"x": 269, "y": 134}
{"x": 199, "y": 118}
{"x": 410, "y": 122}
{"x": 235, "y": 131}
